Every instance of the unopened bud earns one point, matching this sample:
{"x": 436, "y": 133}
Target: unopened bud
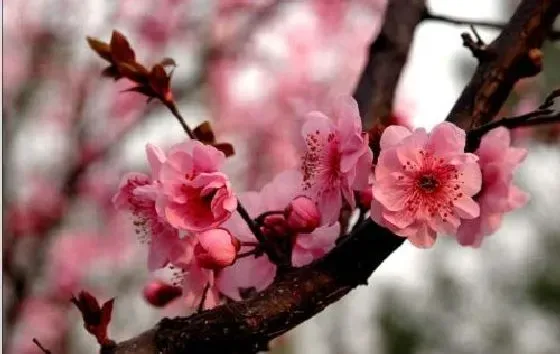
{"x": 160, "y": 294}
{"x": 302, "y": 215}
{"x": 275, "y": 225}
{"x": 364, "y": 198}
{"x": 216, "y": 249}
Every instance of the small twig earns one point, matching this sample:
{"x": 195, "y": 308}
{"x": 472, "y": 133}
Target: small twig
{"x": 254, "y": 252}
{"x": 181, "y": 120}
{"x": 43, "y": 349}
{"x": 428, "y": 16}
{"x": 543, "y": 115}
{"x": 478, "y": 48}
{"x": 203, "y": 299}
{"x": 260, "y": 219}
{"x": 253, "y": 226}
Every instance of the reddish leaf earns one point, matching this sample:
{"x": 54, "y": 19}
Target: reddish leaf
{"x": 106, "y": 311}
{"x": 120, "y": 48}
{"x": 111, "y": 72}
{"x": 204, "y": 133}
{"x": 168, "y": 62}
{"x": 226, "y": 148}
{"x": 159, "y": 81}
{"x": 133, "y": 71}
{"x": 101, "y": 48}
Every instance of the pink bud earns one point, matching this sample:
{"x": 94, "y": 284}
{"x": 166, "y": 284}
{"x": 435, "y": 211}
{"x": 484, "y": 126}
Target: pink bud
{"x": 365, "y": 197}
{"x": 302, "y": 215}
{"x": 216, "y": 249}
{"x": 275, "y": 225}
{"x": 160, "y": 294}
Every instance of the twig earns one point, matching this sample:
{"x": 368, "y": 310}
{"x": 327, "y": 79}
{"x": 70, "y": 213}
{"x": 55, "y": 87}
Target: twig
{"x": 543, "y": 115}
{"x": 43, "y": 349}
{"x": 181, "y": 120}
{"x": 478, "y": 48}
{"x": 264, "y": 243}
{"x": 254, "y": 252}
{"x": 203, "y": 298}
{"x": 428, "y": 16}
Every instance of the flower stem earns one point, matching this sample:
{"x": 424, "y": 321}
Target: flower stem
{"x": 203, "y": 299}
{"x": 173, "y": 108}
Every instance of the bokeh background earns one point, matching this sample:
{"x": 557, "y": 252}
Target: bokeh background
{"x": 252, "y": 68}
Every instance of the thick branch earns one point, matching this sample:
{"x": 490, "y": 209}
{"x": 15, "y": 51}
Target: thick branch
{"x": 493, "y": 80}
{"x": 386, "y": 58}
{"x": 246, "y": 327}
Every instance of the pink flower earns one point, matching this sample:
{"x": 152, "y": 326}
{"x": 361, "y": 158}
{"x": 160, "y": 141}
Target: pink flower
{"x": 424, "y": 183}
{"x": 338, "y": 159}
{"x": 216, "y": 249}
{"x": 159, "y": 294}
{"x": 498, "y": 195}
{"x": 193, "y": 278}
{"x": 309, "y": 247}
{"x": 137, "y": 194}
{"x": 302, "y": 215}
{"x": 196, "y": 197}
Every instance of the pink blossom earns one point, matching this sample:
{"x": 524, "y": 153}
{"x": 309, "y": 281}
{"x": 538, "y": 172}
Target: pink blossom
{"x": 216, "y": 249}
{"x": 193, "y": 278}
{"x": 309, "y": 247}
{"x": 195, "y": 196}
{"x": 302, "y": 215}
{"x": 499, "y": 195}
{"x": 424, "y": 183}
{"x": 138, "y": 194}
{"x": 338, "y": 158}
{"x": 159, "y": 293}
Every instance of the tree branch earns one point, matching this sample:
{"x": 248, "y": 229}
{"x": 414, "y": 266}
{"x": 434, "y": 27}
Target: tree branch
{"x": 386, "y": 58}
{"x": 247, "y": 326}
{"x": 428, "y": 16}
{"x": 493, "y": 80}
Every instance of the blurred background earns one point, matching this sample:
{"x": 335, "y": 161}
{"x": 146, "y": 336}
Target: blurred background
{"x": 252, "y": 68}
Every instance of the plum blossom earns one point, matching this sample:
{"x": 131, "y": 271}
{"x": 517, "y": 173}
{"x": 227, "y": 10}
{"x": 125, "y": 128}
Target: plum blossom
{"x": 198, "y": 282}
{"x": 424, "y": 183}
{"x": 258, "y": 273}
{"x": 216, "y": 248}
{"x": 308, "y": 247}
{"x": 137, "y": 194}
{"x": 499, "y": 195}
{"x": 194, "y": 195}
{"x": 302, "y": 215}
{"x": 338, "y": 159}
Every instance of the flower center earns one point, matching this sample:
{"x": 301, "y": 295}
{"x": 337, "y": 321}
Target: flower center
{"x": 428, "y": 183}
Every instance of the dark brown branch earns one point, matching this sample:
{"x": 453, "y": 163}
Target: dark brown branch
{"x": 545, "y": 114}
{"x": 246, "y": 327}
{"x": 387, "y": 56}
{"x": 40, "y": 346}
{"x": 428, "y": 16}
{"x": 493, "y": 80}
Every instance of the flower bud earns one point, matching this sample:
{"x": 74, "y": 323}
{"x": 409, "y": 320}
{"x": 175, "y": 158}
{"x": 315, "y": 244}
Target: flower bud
{"x": 275, "y": 225}
{"x": 216, "y": 249}
{"x": 364, "y": 198}
{"x": 302, "y": 215}
{"x": 160, "y": 294}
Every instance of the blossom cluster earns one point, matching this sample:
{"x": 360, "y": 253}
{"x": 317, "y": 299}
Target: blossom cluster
{"x": 219, "y": 244}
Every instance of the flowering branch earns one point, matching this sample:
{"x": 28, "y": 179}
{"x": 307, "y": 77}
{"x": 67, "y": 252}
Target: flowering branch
{"x": 543, "y": 115}
{"x": 493, "y": 80}
{"x": 297, "y": 295}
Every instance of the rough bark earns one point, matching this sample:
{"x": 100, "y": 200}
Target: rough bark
{"x": 387, "y": 56}
{"x": 246, "y": 327}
